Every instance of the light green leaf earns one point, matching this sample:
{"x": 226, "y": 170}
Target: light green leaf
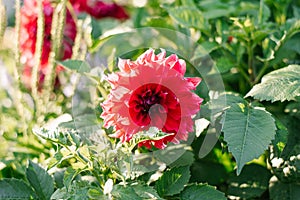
{"x": 78, "y": 190}
{"x": 76, "y": 65}
{"x": 145, "y": 191}
{"x": 187, "y": 16}
{"x": 173, "y": 181}
{"x": 279, "y": 85}
{"x": 201, "y": 191}
{"x": 248, "y": 131}
{"x": 158, "y": 22}
{"x": 15, "y": 189}
{"x": 96, "y": 194}
{"x": 120, "y": 192}
{"x": 40, "y": 180}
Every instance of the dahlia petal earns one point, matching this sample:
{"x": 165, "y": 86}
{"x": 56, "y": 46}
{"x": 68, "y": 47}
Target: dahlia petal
{"x": 119, "y": 92}
{"x": 161, "y": 56}
{"x": 193, "y": 82}
{"x": 146, "y": 57}
{"x": 124, "y": 65}
{"x": 180, "y": 66}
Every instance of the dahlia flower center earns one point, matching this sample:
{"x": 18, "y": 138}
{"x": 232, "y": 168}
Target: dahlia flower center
{"x": 150, "y": 104}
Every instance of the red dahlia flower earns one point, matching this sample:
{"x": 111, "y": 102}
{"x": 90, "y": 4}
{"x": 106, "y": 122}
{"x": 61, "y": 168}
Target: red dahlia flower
{"x": 28, "y": 36}
{"x": 151, "y": 92}
{"x": 99, "y": 9}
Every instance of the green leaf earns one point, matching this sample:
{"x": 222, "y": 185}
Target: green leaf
{"x": 224, "y": 64}
{"x": 201, "y": 191}
{"x": 40, "y": 180}
{"x": 187, "y": 16}
{"x": 293, "y": 109}
{"x": 210, "y": 172}
{"x": 78, "y": 190}
{"x": 186, "y": 159}
{"x": 76, "y": 65}
{"x": 15, "y": 189}
{"x": 145, "y": 191}
{"x": 120, "y": 192}
{"x": 69, "y": 175}
{"x": 280, "y": 139}
{"x": 251, "y": 183}
{"x": 173, "y": 181}
{"x": 158, "y": 22}
{"x": 204, "y": 49}
{"x": 279, "y": 190}
{"x": 95, "y": 193}
{"x": 248, "y": 131}
{"x": 279, "y": 85}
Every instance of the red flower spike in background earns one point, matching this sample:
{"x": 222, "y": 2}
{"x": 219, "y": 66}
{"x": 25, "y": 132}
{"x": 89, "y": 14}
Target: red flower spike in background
{"x": 151, "y": 92}
{"x": 28, "y": 36}
{"x": 100, "y": 9}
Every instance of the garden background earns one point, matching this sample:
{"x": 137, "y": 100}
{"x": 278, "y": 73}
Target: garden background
{"x": 226, "y": 72}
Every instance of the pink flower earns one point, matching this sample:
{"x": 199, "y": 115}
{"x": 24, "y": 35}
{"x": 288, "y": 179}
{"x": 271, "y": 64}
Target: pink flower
{"x": 100, "y": 9}
{"x": 151, "y": 92}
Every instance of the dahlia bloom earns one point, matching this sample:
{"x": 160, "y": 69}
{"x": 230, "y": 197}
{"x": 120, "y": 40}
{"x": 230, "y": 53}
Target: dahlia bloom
{"x": 99, "y": 9}
{"x": 151, "y": 92}
{"x": 28, "y": 36}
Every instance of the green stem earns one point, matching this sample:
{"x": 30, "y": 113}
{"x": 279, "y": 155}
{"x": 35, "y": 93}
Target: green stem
{"x": 260, "y": 15}
{"x": 239, "y": 67}
{"x": 244, "y": 74}
{"x": 261, "y": 73}
{"x": 251, "y": 71}
{"x": 99, "y": 179}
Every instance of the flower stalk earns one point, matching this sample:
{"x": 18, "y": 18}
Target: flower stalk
{"x": 57, "y": 29}
{"x": 37, "y": 57}
{"x": 2, "y": 20}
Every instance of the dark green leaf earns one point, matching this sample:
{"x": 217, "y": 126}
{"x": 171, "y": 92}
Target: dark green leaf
{"x": 248, "y": 132}
{"x": 40, "y": 180}
{"x": 280, "y": 139}
{"x": 211, "y": 172}
{"x": 251, "y": 183}
{"x": 224, "y": 64}
{"x": 279, "y": 190}
{"x": 15, "y": 189}
{"x": 279, "y": 85}
{"x": 201, "y": 191}
{"x": 173, "y": 181}
{"x": 186, "y": 159}
{"x": 69, "y": 175}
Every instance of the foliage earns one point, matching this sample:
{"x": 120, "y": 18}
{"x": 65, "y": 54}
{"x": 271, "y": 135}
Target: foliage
{"x": 245, "y": 142}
